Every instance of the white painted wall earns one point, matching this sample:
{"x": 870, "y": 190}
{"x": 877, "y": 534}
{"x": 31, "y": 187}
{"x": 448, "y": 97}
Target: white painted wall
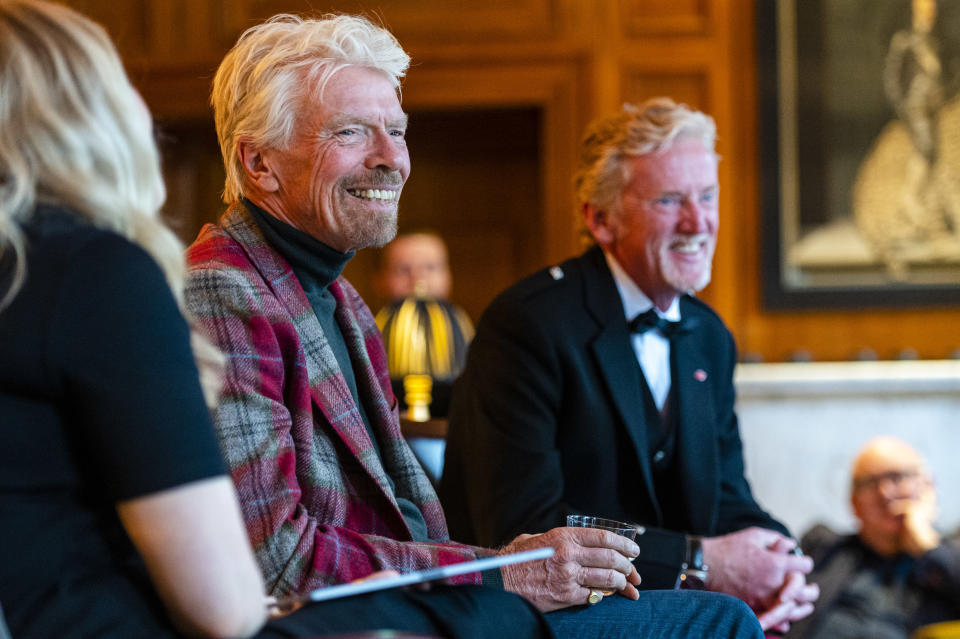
{"x": 802, "y": 424}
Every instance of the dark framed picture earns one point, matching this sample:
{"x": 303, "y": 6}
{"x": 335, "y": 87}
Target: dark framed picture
{"x": 860, "y": 152}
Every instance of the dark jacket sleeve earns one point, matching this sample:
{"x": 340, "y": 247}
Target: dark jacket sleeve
{"x": 502, "y": 473}
{"x": 738, "y": 509}
{"x": 938, "y": 572}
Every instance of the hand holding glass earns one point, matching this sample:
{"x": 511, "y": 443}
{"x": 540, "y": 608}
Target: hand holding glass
{"x": 617, "y": 527}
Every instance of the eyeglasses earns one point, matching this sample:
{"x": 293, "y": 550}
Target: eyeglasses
{"x": 895, "y": 477}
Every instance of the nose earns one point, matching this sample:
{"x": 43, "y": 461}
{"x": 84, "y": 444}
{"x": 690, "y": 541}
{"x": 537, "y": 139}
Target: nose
{"x": 388, "y": 152}
{"x": 694, "y": 217}
{"x": 418, "y": 272}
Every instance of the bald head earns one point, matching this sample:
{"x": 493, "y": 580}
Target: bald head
{"x": 889, "y": 478}
{"x": 884, "y": 454}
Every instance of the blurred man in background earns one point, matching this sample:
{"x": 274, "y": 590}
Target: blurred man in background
{"x": 423, "y": 332}
{"x": 897, "y": 573}
{"x": 415, "y": 264}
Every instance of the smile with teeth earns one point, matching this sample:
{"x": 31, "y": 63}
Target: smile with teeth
{"x": 383, "y": 195}
{"x": 688, "y": 246}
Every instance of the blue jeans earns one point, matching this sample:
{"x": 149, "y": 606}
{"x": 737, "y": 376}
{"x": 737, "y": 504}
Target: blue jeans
{"x": 659, "y": 614}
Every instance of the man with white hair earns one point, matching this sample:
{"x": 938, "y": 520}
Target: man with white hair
{"x": 897, "y": 573}
{"x": 603, "y": 387}
{"x": 312, "y": 133}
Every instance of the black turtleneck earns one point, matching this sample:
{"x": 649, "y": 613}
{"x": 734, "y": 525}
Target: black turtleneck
{"x": 316, "y": 266}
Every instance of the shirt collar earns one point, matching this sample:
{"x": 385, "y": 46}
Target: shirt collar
{"x": 634, "y": 300}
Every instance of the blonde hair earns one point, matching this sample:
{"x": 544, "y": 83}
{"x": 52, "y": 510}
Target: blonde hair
{"x": 274, "y": 67}
{"x": 652, "y": 127}
{"x": 74, "y": 132}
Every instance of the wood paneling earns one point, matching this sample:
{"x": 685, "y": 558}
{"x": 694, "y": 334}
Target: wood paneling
{"x": 425, "y": 20}
{"x": 133, "y": 30}
{"x": 686, "y": 86}
{"x": 551, "y": 88}
{"x": 666, "y": 17}
{"x": 194, "y": 174}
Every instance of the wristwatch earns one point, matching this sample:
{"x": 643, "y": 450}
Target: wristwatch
{"x": 693, "y": 572}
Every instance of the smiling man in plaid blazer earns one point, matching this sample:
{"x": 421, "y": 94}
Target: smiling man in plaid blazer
{"x": 312, "y": 133}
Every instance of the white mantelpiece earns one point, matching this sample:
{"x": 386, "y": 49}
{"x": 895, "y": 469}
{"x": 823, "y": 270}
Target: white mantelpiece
{"x": 802, "y": 424}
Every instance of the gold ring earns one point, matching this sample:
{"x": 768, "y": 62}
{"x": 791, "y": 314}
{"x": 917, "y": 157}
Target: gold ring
{"x": 595, "y": 596}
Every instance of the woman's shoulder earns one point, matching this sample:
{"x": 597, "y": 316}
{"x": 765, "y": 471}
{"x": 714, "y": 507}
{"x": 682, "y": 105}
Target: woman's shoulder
{"x": 61, "y": 238}
{"x": 57, "y": 225}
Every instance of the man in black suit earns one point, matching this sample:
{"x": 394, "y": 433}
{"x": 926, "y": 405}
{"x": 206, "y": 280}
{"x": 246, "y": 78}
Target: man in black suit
{"x": 603, "y": 387}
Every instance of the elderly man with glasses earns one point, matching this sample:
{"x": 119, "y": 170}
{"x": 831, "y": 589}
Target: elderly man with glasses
{"x": 897, "y": 573}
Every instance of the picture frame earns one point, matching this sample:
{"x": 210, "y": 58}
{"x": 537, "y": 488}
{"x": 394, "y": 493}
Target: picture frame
{"x": 859, "y": 135}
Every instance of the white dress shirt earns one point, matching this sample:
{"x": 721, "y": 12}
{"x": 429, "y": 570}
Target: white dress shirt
{"x": 651, "y": 347}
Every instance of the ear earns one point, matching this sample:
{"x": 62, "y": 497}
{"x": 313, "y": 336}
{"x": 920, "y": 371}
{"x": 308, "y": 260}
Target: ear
{"x": 855, "y": 505}
{"x": 599, "y": 223}
{"x": 257, "y": 167}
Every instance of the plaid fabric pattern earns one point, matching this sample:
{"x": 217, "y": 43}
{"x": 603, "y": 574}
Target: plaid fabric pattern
{"x": 315, "y": 495}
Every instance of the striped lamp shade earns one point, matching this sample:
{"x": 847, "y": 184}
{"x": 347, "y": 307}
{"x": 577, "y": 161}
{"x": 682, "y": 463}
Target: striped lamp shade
{"x": 425, "y": 336}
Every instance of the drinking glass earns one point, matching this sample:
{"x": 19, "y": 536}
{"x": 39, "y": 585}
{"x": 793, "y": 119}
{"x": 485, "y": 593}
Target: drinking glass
{"x": 617, "y": 527}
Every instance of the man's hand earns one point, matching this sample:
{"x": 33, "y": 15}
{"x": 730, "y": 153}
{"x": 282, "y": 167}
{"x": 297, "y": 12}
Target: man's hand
{"x": 752, "y": 564}
{"x": 584, "y": 558}
{"x": 793, "y": 602}
{"x": 919, "y": 512}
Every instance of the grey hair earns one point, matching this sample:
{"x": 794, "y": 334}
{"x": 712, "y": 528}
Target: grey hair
{"x": 651, "y": 127}
{"x": 75, "y": 133}
{"x": 263, "y": 80}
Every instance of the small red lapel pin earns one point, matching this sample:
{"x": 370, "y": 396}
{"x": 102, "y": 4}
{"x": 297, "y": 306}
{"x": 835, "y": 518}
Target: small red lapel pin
{"x": 700, "y": 375}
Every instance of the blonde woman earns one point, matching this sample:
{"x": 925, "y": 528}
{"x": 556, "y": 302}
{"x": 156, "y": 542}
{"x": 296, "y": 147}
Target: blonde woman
{"x": 117, "y": 518}
{"x": 105, "y": 437}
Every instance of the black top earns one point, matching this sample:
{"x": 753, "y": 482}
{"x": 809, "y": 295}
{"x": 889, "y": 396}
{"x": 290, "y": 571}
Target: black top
{"x": 97, "y": 386}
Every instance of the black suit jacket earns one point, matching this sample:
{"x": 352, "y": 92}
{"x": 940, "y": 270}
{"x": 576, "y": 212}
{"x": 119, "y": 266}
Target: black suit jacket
{"x": 548, "y": 420}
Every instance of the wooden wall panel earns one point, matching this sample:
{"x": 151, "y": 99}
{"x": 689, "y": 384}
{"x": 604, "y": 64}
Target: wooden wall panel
{"x": 132, "y": 30}
{"x": 550, "y": 87}
{"x": 686, "y": 86}
{"x": 666, "y": 17}
{"x": 194, "y": 25}
{"x": 160, "y": 33}
{"x": 425, "y": 20}
{"x": 194, "y": 175}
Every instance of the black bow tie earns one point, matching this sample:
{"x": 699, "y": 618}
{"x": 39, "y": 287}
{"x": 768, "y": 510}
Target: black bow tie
{"x": 650, "y": 320}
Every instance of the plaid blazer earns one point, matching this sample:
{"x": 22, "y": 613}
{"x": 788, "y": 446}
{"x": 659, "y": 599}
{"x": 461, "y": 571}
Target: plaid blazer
{"x": 315, "y": 495}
